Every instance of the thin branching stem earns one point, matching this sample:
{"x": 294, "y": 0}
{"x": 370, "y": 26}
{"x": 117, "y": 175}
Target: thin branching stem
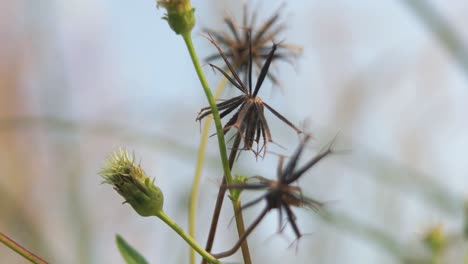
{"x": 193, "y": 244}
{"x": 243, "y": 238}
{"x": 198, "y": 170}
{"x": 219, "y": 128}
{"x": 211, "y": 101}
{"x": 21, "y": 250}
{"x": 237, "y": 209}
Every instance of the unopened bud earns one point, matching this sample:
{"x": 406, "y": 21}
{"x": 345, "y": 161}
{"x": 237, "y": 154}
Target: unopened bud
{"x": 131, "y": 182}
{"x": 180, "y": 15}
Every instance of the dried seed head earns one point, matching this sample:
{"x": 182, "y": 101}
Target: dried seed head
{"x": 249, "y": 119}
{"x": 131, "y": 182}
{"x": 235, "y": 43}
{"x": 279, "y": 194}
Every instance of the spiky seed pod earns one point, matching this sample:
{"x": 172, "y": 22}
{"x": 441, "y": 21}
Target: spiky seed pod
{"x": 280, "y": 194}
{"x": 235, "y": 43}
{"x": 249, "y": 120}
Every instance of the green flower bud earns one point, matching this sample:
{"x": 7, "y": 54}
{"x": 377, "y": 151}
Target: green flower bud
{"x": 435, "y": 239}
{"x": 180, "y": 15}
{"x": 131, "y": 182}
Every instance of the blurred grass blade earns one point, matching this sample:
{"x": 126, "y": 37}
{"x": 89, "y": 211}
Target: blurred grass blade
{"x": 409, "y": 181}
{"x": 150, "y": 139}
{"x": 442, "y": 30}
{"x": 371, "y": 234}
{"x": 130, "y": 254}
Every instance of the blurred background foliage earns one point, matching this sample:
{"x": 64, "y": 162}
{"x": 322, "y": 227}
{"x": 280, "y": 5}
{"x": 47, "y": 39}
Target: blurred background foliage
{"x": 79, "y": 79}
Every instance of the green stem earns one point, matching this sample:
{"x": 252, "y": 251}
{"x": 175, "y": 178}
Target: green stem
{"x": 198, "y": 170}
{"x": 243, "y": 238}
{"x": 241, "y": 231}
{"x": 219, "y": 128}
{"x": 465, "y": 260}
{"x": 435, "y": 258}
{"x": 21, "y": 250}
{"x": 236, "y": 206}
{"x": 171, "y": 223}
{"x": 211, "y": 101}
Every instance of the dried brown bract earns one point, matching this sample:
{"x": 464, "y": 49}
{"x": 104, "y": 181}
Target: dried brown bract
{"x": 235, "y": 42}
{"x": 249, "y": 120}
{"x": 280, "y": 194}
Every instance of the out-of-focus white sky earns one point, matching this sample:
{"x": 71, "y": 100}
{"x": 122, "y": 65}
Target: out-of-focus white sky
{"x": 116, "y": 75}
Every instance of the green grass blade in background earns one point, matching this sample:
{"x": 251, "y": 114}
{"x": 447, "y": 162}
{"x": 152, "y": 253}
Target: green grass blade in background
{"x": 442, "y": 30}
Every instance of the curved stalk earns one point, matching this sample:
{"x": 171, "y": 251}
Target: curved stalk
{"x": 198, "y": 170}
{"x": 237, "y": 210}
{"x": 193, "y": 244}
{"x": 244, "y": 236}
{"x": 211, "y": 101}
{"x": 219, "y": 129}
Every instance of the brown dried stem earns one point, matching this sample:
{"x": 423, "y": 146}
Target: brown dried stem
{"x": 237, "y": 209}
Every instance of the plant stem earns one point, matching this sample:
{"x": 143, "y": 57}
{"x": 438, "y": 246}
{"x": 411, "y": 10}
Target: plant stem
{"x": 198, "y": 170}
{"x": 435, "y": 258}
{"x": 171, "y": 223}
{"x": 465, "y": 259}
{"x": 243, "y": 238}
{"x": 237, "y": 210}
{"x": 21, "y": 250}
{"x": 219, "y": 133}
{"x": 209, "y": 96}
{"x": 241, "y": 231}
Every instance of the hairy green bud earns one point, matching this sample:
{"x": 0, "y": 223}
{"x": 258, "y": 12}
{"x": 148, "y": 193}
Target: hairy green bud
{"x": 180, "y": 15}
{"x": 131, "y": 182}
